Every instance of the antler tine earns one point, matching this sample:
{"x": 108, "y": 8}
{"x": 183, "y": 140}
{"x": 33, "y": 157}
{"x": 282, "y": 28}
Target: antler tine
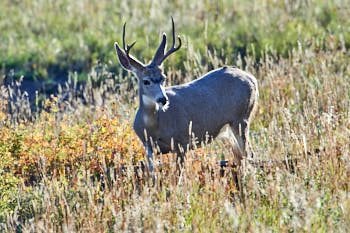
{"x": 128, "y": 47}
{"x": 173, "y": 26}
{"x": 124, "y": 36}
{"x": 173, "y": 48}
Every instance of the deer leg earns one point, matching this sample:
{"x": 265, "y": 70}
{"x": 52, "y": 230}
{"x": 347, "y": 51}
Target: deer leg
{"x": 226, "y": 135}
{"x": 241, "y": 131}
{"x": 238, "y": 156}
{"x": 250, "y": 149}
{"x": 149, "y": 157}
{"x": 245, "y": 135}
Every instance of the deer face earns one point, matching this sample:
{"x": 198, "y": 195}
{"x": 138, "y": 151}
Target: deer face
{"x": 151, "y": 77}
{"x": 152, "y": 81}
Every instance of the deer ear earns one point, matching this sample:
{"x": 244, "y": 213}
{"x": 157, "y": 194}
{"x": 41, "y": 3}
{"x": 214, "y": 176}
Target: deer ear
{"x": 123, "y": 58}
{"x": 127, "y": 61}
{"x": 160, "y": 51}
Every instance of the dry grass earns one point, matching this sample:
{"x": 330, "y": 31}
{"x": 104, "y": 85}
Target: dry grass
{"x": 70, "y": 167}
{"x": 64, "y": 167}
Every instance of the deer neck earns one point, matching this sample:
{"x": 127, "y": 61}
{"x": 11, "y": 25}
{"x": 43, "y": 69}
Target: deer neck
{"x": 149, "y": 111}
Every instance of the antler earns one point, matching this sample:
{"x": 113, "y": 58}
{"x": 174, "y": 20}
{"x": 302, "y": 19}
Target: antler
{"x": 127, "y": 61}
{"x": 128, "y": 47}
{"x": 159, "y": 56}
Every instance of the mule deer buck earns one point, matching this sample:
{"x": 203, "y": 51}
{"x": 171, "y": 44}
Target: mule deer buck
{"x": 223, "y": 97}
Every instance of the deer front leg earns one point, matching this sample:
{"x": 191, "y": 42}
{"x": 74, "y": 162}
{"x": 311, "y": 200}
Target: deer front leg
{"x": 149, "y": 150}
{"x": 149, "y": 157}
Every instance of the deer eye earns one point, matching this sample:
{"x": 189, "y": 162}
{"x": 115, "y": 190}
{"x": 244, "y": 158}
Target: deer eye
{"x": 146, "y": 82}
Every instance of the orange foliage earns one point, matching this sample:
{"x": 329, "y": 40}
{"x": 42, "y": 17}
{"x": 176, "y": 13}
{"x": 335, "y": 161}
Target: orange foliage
{"x": 59, "y": 146}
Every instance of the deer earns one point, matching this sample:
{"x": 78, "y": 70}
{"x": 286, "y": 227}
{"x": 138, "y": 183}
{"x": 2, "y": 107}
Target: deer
{"x": 220, "y": 102}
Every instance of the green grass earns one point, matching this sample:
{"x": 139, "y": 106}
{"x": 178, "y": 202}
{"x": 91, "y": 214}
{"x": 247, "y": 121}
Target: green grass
{"x": 61, "y": 168}
{"x": 46, "y": 39}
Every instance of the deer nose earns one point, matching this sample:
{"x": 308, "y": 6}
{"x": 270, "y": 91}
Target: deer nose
{"x": 162, "y": 100}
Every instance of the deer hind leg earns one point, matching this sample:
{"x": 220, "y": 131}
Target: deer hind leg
{"x": 241, "y": 133}
{"x": 227, "y": 135}
{"x": 248, "y": 147}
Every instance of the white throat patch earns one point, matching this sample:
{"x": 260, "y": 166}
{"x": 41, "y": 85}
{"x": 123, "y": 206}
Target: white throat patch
{"x": 149, "y": 102}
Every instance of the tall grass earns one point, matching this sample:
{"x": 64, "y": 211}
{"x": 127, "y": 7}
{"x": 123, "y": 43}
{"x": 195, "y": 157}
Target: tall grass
{"x": 71, "y": 165}
{"x": 71, "y": 168}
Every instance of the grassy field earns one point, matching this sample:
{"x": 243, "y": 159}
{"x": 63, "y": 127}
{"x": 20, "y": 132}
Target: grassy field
{"x": 70, "y": 167}
{"x": 45, "y": 39}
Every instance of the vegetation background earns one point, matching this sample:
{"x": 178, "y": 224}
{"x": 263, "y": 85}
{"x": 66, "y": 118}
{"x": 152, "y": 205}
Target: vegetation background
{"x": 68, "y": 151}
